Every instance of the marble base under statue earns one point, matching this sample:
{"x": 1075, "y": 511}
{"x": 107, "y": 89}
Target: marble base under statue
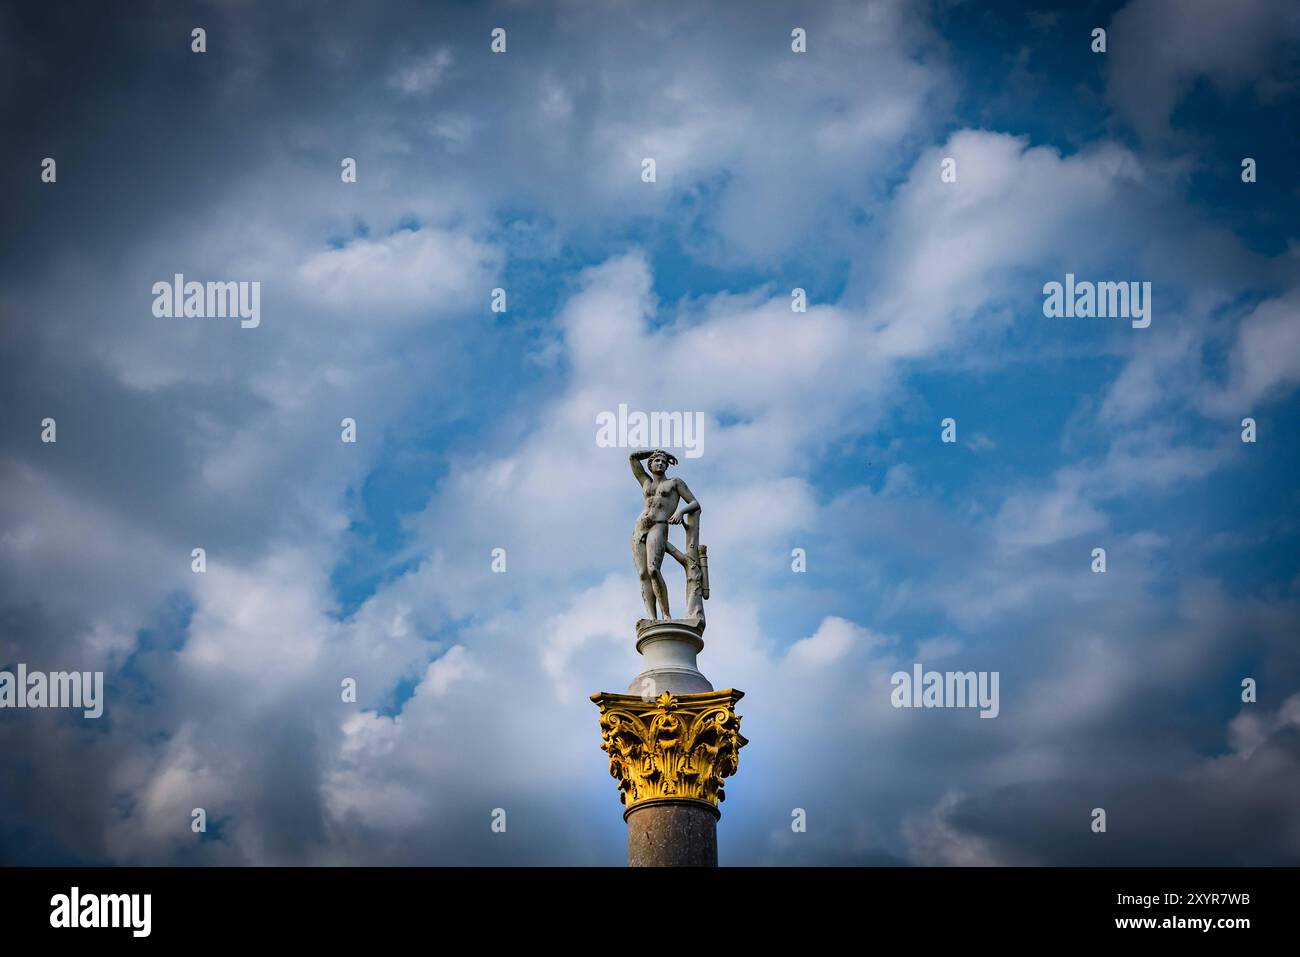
{"x": 668, "y": 647}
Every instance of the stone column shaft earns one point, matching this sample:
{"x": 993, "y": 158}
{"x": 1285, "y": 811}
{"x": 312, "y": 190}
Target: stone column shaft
{"x": 672, "y": 834}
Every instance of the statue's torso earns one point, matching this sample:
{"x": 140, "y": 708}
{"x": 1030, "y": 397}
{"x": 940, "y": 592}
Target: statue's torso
{"x": 661, "y": 499}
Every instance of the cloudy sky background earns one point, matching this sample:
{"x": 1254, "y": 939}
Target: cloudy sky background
{"x": 477, "y": 430}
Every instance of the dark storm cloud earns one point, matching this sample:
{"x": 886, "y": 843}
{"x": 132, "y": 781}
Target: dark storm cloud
{"x": 1236, "y": 810}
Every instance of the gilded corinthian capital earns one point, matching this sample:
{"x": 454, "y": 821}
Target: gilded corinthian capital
{"x": 675, "y": 747}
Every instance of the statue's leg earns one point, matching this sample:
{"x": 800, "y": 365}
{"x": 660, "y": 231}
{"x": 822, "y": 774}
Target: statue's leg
{"x": 655, "y": 543}
{"x": 643, "y": 572}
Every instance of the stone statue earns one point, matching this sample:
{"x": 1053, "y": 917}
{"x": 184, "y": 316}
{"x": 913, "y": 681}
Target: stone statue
{"x": 650, "y": 541}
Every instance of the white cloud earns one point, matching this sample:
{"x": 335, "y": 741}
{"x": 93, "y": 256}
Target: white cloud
{"x": 832, "y": 640}
{"x": 1265, "y": 360}
{"x": 406, "y": 272}
{"x": 423, "y": 74}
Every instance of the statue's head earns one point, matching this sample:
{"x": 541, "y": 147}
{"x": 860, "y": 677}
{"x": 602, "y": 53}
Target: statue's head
{"x": 660, "y": 461}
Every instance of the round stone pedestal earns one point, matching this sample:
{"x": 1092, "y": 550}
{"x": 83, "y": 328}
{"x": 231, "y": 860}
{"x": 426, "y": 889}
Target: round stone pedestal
{"x": 668, "y": 648}
{"x": 668, "y": 833}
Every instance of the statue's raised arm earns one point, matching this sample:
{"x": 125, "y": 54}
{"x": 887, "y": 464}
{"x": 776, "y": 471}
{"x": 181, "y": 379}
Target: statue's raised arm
{"x": 635, "y": 460}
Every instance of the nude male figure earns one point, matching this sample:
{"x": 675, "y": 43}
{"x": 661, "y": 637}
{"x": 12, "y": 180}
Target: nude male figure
{"x": 650, "y": 533}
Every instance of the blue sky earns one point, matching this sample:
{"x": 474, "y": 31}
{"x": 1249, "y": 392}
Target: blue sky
{"x": 477, "y": 430}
